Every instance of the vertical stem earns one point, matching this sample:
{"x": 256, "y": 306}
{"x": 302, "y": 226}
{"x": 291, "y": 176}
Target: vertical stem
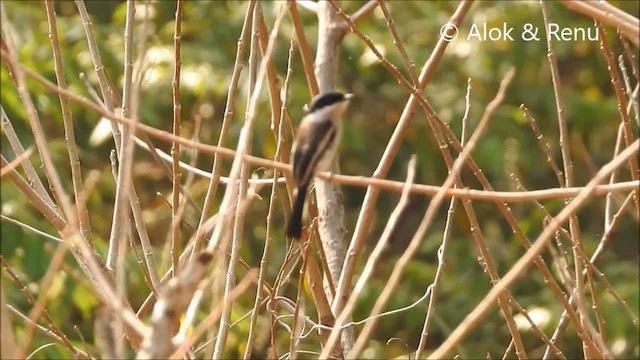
{"x": 175, "y": 147}
{"x": 329, "y": 196}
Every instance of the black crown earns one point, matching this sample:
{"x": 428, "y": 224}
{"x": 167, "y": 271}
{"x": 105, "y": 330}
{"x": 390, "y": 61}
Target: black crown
{"x": 326, "y": 99}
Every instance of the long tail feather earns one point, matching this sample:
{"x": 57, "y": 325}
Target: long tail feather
{"x": 294, "y": 228}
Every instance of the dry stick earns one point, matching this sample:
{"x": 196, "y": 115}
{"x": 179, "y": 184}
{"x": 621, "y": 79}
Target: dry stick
{"x": 226, "y": 122}
{"x": 551, "y": 343}
{"x": 140, "y": 261}
{"x": 144, "y": 141}
{"x": 18, "y": 149}
{"x": 124, "y": 168}
{"x": 173, "y": 300}
{"x": 600, "y": 333}
{"x": 44, "y": 297}
{"x": 214, "y": 315}
{"x": 43, "y": 330}
{"x": 486, "y": 195}
{"x": 85, "y": 256}
{"x": 368, "y": 205}
{"x": 489, "y": 268}
{"x": 121, "y": 208}
{"x": 244, "y": 145}
{"x": 612, "y": 179}
{"x": 18, "y": 75}
{"x": 30, "y": 228}
{"x": 411, "y": 67}
{"x": 305, "y": 49}
{"x": 32, "y": 301}
{"x": 52, "y": 216}
{"x": 329, "y": 196}
{"x": 487, "y": 263}
{"x": 372, "y": 261}
{"x": 223, "y": 227}
{"x": 264, "y": 262}
{"x": 329, "y": 203}
{"x": 103, "y": 334}
{"x": 7, "y": 336}
{"x": 600, "y": 250}
{"x": 539, "y": 245}
{"x": 150, "y": 273}
{"x": 394, "y": 279}
{"x": 175, "y": 147}
{"x": 437, "y": 125}
{"x": 633, "y": 101}
{"x": 238, "y": 221}
{"x": 98, "y": 67}
{"x": 544, "y": 145}
{"x": 67, "y": 119}
{"x": 325, "y": 315}
{"x": 106, "y": 96}
{"x": 105, "y": 88}
{"x": 276, "y": 102}
{"x": 622, "y": 104}
{"x": 612, "y": 11}
{"x": 632, "y": 58}
{"x": 103, "y": 284}
{"x": 378, "y": 183}
{"x": 507, "y": 350}
{"x": 107, "y": 108}
{"x": 18, "y": 161}
{"x": 362, "y": 13}
{"x": 608, "y": 14}
{"x": 164, "y": 158}
{"x": 184, "y": 259}
{"x": 442, "y": 250}
{"x": 576, "y": 237}
{"x": 299, "y": 307}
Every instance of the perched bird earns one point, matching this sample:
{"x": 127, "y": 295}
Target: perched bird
{"x": 314, "y": 148}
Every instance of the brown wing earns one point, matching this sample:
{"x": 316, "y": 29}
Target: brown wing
{"x": 313, "y": 141}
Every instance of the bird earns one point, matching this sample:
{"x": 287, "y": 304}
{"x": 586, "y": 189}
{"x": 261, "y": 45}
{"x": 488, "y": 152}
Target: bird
{"x": 314, "y": 148}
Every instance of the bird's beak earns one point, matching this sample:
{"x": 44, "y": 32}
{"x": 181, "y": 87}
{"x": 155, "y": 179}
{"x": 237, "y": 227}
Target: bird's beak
{"x": 349, "y": 96}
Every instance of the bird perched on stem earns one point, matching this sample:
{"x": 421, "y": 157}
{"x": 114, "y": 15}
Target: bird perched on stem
{"x": 314, "y": 148}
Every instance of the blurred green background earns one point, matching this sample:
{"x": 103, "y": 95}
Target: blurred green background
{"x": 210, "y": 31}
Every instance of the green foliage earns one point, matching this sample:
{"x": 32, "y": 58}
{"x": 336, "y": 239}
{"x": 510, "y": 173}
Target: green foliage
{"x": 209, "y": 43}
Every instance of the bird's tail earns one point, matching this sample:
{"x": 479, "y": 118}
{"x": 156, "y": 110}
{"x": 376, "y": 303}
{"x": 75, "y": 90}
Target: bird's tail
{"x": 294, "y": 228}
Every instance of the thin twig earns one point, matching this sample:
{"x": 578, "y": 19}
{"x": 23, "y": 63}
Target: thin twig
{"x": 46, "y": 331}
{"x": 264, "y": 262}
{"x": 175, "y": 147}
{"x": 55, "y": 183}
{"x": 442, "y": 250}
{"x": 372, "y": 260}
{"x": 226, "y": 123}
{"x": 20, "y": 160}
{"x": 40, "y": 305}
{"x": 618, "y": 88}
{"x": 62, "y": 338}
{"x": 574, "y": 228}
{"x": 305, "y": 49}
{"x": 237, "y": 192}
{"x": 375, "y": 182}
{"x": 67, "y": 120}
{"x": 18, "y": 149}
{"x": 608, "y": 14}
{"x": 411, "y": 67}
{"x": 394, "y": 279}
{"x": 329, "y": 196}
{"x": 365, "y": 216}
{"x": 538, "y": 246}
